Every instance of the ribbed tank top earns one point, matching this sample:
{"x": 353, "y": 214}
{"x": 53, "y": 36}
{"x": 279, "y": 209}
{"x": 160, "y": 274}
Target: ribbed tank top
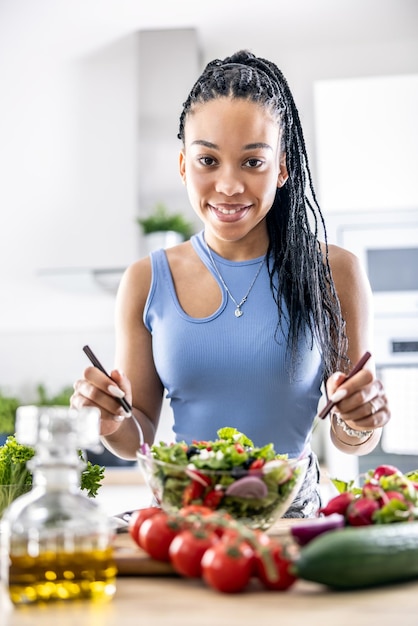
{"x": 227, "y": 371}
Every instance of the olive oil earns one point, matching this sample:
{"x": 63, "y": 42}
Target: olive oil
{"x": 56, "y": 543}
{"x": 62, "y": 576}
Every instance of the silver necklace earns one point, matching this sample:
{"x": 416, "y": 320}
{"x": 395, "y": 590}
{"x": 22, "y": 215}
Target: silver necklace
{"x": 238, "y": 305}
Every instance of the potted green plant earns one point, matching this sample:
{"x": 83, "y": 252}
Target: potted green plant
{"x": 163, "y": 229}
{"x": 8, "y": 406}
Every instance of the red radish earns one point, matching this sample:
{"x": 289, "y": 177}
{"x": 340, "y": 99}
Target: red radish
{"x": 393, "y": 495}
{"x": 360, "y": 512}
{"x": 373, "y": 491}
{"x": 385, "y": 470}
{"x": 338, "y": 504}
{"x": 307, "y": 530}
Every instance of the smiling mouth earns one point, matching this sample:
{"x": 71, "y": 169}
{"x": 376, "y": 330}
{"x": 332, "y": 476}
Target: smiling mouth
{"x": 229, "y": 211}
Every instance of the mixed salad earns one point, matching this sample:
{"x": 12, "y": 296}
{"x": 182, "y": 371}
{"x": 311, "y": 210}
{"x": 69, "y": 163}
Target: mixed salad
{"x": 229, "y": 473}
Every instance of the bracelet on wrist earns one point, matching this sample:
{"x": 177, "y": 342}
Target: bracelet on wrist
{"x": 365, "y": 435}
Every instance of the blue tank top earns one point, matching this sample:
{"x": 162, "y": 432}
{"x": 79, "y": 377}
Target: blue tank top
{"x": 227, "y": 371}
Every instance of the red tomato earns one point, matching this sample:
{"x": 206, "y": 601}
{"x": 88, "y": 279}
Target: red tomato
{"x": 283, "y": 578}
{"x": 156, "y": 534}
{"x": 187, "y": 549}
{"x": 195, "y": 509}
{"x": 213, "y": 498}
{"x": 193, "y": 491}
{"x": 227, "y": 567}
{"x": 137, "y": 518}
{"x": 257, "y": 464}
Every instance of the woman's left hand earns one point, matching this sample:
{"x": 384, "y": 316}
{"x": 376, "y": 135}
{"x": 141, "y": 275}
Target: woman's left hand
{"x": 360, "y": 401}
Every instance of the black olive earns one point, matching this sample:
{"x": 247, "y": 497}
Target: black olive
{"x": 238, "y": 472}
{"x": 192, "y": 451}
{"x": 248, "y": 462}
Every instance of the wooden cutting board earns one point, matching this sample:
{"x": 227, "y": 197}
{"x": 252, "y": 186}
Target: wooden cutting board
{"x": 131, "y": 560}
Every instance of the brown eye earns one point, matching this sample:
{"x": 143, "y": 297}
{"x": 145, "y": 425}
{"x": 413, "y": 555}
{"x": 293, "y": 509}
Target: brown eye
{"x": 206, "y": 160}
{"x": 253, "y": 163}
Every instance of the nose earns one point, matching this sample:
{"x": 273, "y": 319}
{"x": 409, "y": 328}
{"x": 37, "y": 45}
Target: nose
{"x": 229, "y": 181}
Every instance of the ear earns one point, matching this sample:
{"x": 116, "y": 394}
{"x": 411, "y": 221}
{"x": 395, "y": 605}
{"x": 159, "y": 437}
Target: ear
{"x": 283, "y": 174}
{"x": 182, "y": 166}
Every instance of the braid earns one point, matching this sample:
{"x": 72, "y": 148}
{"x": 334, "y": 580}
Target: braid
{"x": 300, "y": 277}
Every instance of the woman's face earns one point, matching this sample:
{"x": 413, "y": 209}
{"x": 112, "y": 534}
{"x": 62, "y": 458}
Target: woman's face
{"x": 232, "y": 166}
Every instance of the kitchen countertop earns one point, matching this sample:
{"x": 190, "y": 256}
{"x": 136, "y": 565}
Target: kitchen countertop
{"x": 171, "y": 600}
{"x": 175, "y": 602}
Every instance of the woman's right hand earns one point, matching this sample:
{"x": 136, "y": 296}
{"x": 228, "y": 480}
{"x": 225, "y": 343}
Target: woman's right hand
{"x": 95, "y": 389}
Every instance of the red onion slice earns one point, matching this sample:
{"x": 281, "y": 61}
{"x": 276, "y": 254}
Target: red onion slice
{"x": 247, "y": 487}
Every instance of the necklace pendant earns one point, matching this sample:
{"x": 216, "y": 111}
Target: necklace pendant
{"x": 238, "y": 312}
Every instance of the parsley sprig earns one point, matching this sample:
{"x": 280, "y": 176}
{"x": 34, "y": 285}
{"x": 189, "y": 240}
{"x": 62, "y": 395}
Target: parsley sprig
{"x": 16, "y": 478}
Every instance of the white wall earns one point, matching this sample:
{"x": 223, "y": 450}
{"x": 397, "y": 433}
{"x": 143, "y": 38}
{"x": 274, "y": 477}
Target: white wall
{"x": 68, "y": 158}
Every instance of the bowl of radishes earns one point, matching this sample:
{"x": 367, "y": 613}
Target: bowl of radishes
{"x": 252, "y": 484}
{"x": 387, "y": 495}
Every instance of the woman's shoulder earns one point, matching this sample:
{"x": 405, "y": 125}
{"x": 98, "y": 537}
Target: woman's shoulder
{"x": 134, "y": 285}
{"x": 341, "y": 259}
{"x": 138, "y": 269}
{"x": 348, "y": 272}
{"x": 138, "y": 275}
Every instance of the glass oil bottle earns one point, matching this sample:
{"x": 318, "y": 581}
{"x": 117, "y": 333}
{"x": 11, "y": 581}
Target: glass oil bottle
{"x": 56, "y": 543}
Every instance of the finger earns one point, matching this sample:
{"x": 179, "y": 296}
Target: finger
{"x": 369, "y": 414}
{"x": 109, "y": 423}
{"x": 334, "y": 381}
{"x": 87, "y": 394}
{"x": 123, "y": 383}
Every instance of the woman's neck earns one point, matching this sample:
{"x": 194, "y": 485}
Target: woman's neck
{"x": 244, "y": 249}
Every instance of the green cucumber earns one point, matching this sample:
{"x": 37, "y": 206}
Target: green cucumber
{"x": 357, "y": 557}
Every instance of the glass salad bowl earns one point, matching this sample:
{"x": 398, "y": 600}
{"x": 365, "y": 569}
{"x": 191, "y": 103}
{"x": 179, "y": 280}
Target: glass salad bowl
{"x": 254, "y": 485}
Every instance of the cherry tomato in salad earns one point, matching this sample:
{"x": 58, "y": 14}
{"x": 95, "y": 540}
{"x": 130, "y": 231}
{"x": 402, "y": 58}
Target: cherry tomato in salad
{"x": 193, "y": 491}
{"x": 187, "y": 549}
{"x": 137, "y": 518}
{"x": 227, "y": 567}
{"x": 213, "y": 499}
{"x": 156, "y": 534}
{"x": 257, "y": 464}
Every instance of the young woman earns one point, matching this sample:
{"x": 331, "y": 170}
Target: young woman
{"x": 242, "y": 324}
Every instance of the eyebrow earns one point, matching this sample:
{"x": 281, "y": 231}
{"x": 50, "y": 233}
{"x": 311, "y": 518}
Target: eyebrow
{"x": 248, "y": 146}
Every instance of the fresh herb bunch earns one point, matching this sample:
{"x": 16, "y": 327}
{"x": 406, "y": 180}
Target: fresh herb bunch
{"x": 13, "y": 459}
{"x": 15, "y": 475}
{"x": 91, "y": 477}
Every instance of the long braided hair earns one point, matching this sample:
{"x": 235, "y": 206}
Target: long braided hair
{"x": 300, "y": 275}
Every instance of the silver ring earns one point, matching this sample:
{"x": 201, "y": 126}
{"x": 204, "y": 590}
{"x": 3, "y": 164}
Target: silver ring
{"x": 373, "y": 407}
